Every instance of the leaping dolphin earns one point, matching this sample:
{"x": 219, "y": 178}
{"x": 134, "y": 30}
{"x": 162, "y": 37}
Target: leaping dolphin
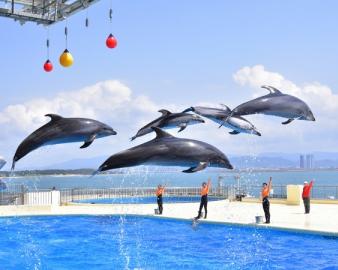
{"x": 278, "y": 104}
{"x": 63, "y": 130}
{"x": 238, "y": 124}
{"x": 167, "y": 150}
{"x": 170, "y": 120}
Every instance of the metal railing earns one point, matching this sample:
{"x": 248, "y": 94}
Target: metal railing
{"x": 324, "y": 192}
{"x": 12, "y": 195}
{"x": 280, "y": 191}
{"x": 19, "y": 195}
{"x": 277, "y": 191}
{"x": 72, "y": 195}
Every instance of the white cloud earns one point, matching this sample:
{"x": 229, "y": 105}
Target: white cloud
{"x": 300, "y": 135}
{"x": 104, "y": 100}
{"x": 319, "y": 97}
{"x": 114, "y": 103}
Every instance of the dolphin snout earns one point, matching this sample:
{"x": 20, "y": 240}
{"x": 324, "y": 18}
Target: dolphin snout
{"x": 110, "y": 131}
{"x": 257, "y": 133}
{"x": 230, "y": 167}
{"x": 311, "y": 118}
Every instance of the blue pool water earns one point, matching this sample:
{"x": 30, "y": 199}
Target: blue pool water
{"x": 112, "y": 242}
{"x": 147, "y": 200}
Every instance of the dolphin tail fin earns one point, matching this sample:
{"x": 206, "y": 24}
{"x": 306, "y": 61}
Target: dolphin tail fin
{"x": 191, "y": 109}
{"x": 94, "y": 173}
{"x": 133, "y": 138}
{"x": 287, "y": 121}
{"x": 13, "y": 165}
{"x": 201, "y": 166}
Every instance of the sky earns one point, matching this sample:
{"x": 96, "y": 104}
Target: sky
{"x": 173, "y": 54}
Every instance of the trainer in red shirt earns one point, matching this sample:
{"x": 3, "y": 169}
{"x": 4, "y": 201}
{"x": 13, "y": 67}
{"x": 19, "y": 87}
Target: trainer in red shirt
{"x": 306, "y": 196}
{"x": 307, "y": 189}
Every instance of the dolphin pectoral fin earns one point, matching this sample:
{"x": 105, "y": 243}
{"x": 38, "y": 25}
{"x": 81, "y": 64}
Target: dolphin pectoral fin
{"x": 287, "y": 121}
{"x": 89, "y": 141}
{"x": 182, "y": 127}
{"x": 234, "y": 132}
{"x": 201, "y": 166}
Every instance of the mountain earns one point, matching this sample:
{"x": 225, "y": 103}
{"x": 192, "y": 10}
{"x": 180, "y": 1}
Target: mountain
{"x": 80, "y": 163}
{"x": 264, "y": 160}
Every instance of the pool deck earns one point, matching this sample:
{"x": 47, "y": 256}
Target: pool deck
{"x": 322, "y": 219}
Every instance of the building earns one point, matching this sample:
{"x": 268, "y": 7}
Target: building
{"x": 309, "y": 161}
{"x": 306, "y": 161}
{"x": 301, "y": 162}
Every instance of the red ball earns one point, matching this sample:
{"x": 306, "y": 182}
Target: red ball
{"x": 48, "y": 66}
{"x": 111, "y": 41}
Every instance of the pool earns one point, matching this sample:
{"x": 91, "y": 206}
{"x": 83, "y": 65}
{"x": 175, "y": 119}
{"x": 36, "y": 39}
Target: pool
{"x": 147, "y": 200}
{"x": 129, "y": 242}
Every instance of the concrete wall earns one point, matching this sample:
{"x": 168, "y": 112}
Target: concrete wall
{"x": 43, "y": 198}
{"x": 294, "y": 194}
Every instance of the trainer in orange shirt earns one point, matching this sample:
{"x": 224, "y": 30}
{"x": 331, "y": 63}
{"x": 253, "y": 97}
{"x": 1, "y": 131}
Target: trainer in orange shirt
{"x": 204, "y": 199}
{"x": 265, "y": 199}
{"x": 159, "y": 193}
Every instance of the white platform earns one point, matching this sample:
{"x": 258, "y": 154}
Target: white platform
{"x": 323, "y": 217}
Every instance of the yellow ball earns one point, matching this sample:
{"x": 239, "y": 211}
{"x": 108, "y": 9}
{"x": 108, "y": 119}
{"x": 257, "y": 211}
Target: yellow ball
{"x": 66, "y": 59}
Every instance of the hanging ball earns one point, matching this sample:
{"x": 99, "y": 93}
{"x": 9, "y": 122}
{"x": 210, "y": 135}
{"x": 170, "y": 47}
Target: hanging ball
{"x": 66, "y": 59}
{"x": 111, "y": 41}
{"x": 48, "y": 66}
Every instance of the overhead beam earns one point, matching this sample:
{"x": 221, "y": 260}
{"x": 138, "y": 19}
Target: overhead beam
{"x": 43, "y": 11}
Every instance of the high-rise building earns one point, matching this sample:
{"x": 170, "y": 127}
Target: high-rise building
{"x": 301, "y": 162}
{"x": 309, "y": 161}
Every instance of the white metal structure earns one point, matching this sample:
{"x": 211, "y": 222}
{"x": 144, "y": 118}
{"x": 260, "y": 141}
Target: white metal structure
{"x": 42, "y": 11}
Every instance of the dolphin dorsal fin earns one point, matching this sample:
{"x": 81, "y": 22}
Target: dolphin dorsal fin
{"x": 164, "y": 112}
{"x": 271, "y": 89}
{"x": 160, "y": 133}
{"x": 54, "y": 117}
{"x": 225, "y": 107}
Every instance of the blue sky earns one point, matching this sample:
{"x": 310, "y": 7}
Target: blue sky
{"x": 179, "y": 53}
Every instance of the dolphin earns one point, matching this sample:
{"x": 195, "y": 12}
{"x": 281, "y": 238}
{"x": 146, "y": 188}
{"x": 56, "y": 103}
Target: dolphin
{"x": 238, "y": 124}
{"x": 63, "y": 130}
{"x": 170, "y": 120}
{"x": 167, "y": 150}
{"x": 278, "y": 104}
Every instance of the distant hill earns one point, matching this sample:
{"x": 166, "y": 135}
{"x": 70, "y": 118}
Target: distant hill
{"x": 262, "y": 162}
{"x": 79, "y": 163}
